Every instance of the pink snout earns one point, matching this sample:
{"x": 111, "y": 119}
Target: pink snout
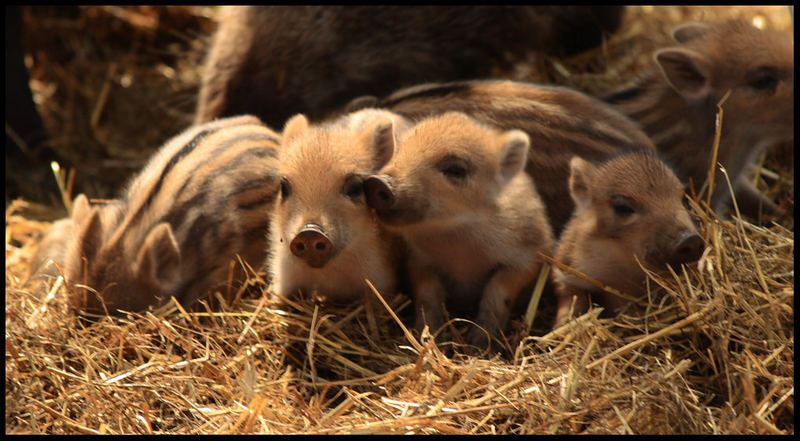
{"x": 312, "y": 246}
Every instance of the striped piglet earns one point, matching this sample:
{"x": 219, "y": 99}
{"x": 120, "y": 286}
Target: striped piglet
{"x": 200, "y": 201}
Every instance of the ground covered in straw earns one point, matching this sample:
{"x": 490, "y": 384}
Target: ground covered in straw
{"x": 713, "y": 353}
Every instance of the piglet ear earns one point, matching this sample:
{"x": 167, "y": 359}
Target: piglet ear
{"x": 159, "y": 260}
{"x": 294, "y": 125}
{"x": 380, "y": 140}
{"x": 90, "y": 235}
{"x": 685, "y": 72}
{"x": 582, "y": 173}
{"x": 81, "y": 256}
{"x": 690, "y": 31}
{"x": 513, "y": 153}
{"x": 80, "y": 209}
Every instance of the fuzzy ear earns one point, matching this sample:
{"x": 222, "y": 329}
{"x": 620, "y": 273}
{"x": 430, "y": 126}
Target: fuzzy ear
{"x": 294, "y": 125}
{"x": 379, "y": 138}
{"x": 80, "y": 209}
{"x": 159, "y": 259}
{"x": 689, "y": 31}
{"x": 90, "y": 236}
{"x": 513, "y": 153}
{"x": 685, "y": 71}
{"x": 582, "y": 173}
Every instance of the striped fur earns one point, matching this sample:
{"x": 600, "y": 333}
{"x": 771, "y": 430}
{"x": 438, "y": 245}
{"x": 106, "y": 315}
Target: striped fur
{"x": 560, "y": 122}
{"x": 201, "y": 200}
{"x": 680, "y": 117}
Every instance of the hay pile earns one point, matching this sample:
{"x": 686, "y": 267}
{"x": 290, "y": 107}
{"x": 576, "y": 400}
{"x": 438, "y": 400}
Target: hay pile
{"x": 713, "y": 354}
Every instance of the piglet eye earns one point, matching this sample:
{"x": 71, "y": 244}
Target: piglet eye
{"x": 685, "y": 201}
{"x": 763, "y": 79}
{"x": 455, "y": 171}
{"x": 286, "y": 188}
{"x": 623, "y": 210}
{"x": 623, "y": 206}
{"x": 454, "y": 168}
{"x": 353, "y": 187}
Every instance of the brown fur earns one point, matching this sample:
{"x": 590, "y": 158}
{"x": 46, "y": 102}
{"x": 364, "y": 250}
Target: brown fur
{"x": 560, "y": 122}
{"x": 321, "y": 169}
{"x": 626, "y": 209}
{"x": 281, "y": 60}
{"x": 472, "y": 220}
{"x": 676, "y": 103}
{"x": 201, "y": 200}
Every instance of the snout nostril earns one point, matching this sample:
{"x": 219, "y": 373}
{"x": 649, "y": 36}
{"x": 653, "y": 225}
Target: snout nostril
{"x": 312, "y": 246}
{"x": 298, "y": 247}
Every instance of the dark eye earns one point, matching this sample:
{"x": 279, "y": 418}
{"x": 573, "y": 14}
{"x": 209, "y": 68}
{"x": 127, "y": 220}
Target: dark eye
{"x": 455, "y": 171}
{"x": 623, "y": 206}
{"x": 454, "y": 168}
{"x": 286, "y": 189}
{"x": 763, "y": 79}
{"x": 685, "y": 201}
{"x": 353, "y": 187}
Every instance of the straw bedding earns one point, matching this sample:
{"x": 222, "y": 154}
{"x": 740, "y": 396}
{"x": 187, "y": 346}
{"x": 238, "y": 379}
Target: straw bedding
{"x": 713, "y": 352}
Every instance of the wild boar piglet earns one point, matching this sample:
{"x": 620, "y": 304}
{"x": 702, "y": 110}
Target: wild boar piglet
{"x": 201, "y": 200}
{"x": 627, "y": 210}
{"x": 324, "y": 237}
{"x": 474, "y": 225}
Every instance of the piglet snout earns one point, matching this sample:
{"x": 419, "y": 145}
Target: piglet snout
{"x": 688, "y": 248}
{"x": 378, "y": 192}
{"x": 312, "y": 245}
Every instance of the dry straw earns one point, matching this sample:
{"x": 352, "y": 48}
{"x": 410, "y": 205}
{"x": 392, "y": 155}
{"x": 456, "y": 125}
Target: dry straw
{"x": 713, "y": 351}
{"x": 713, "y": 354}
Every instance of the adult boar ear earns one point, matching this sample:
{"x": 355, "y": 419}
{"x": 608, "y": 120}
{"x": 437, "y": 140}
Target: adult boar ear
{"x": 379, "y": 138}
{"x": 582, "y": 173}
{"x": 513, "y": 153}
{"x": 690, "y": 31}
{"x": 685, "y": 72}
{"x": 159, "y": 260}
{"x": 293, "y": 126}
